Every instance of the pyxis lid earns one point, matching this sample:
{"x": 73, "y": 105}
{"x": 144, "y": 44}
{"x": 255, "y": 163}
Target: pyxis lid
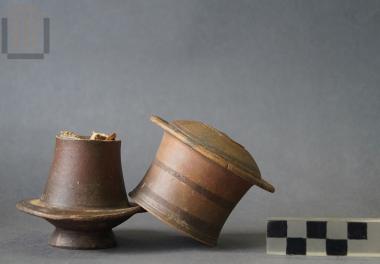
{"x": 217, "y": 146}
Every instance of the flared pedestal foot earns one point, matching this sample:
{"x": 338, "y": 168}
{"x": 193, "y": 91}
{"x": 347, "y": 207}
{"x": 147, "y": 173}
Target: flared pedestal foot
{"x": 82, "y": 239}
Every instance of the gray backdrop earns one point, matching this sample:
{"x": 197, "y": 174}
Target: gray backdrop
{"x": 296, "y": 82}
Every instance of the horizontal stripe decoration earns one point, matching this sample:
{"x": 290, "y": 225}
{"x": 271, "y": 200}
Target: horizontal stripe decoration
{"x": 221, "y": 202}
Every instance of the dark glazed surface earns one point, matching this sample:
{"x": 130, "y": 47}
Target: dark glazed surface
{"x": 86, "y": 173}
{"x": 84, "y": 197}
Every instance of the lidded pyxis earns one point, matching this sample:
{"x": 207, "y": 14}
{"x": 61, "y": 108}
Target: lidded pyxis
{"x": 198, "y": 176}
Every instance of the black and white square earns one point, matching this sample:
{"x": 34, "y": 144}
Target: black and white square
{"x": 336, "y": 247}
{"x": 277, "y": 229}
{"x": 324, "y": 237}
{"x": 357, "y": 230}
{"x": 295, "y": 246}
{"x": 316, "y": 229}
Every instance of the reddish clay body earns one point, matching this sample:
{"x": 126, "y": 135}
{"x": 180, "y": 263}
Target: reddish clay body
{"x": 196, "y": 179}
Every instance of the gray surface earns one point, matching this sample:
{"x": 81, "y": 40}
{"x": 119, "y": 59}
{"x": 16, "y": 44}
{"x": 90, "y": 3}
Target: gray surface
{"x": 296, "y": 82}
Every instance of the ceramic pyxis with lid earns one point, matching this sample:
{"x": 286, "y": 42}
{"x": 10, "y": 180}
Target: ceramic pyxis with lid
{"x": 198, "y": 176}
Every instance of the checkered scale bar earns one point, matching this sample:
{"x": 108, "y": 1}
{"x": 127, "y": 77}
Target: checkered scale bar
{"x": 323, "y": 237}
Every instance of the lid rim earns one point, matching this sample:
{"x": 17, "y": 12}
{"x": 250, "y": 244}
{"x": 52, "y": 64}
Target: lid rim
{"x": 237, "y": 169}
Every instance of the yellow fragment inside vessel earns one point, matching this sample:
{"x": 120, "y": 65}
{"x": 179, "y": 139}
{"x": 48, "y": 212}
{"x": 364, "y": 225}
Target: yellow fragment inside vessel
{"x": 94, "y": 136}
